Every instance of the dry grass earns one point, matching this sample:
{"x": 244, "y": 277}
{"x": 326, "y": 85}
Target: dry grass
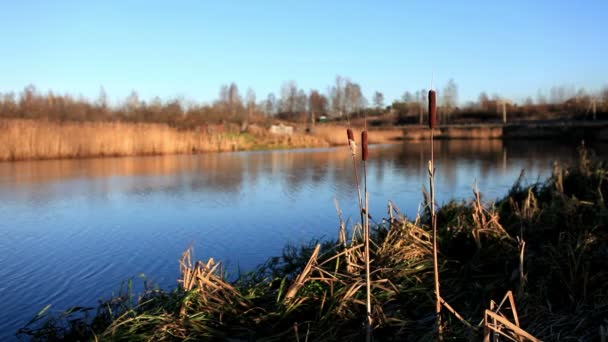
{"x": 33, "y": 139}
{"x": 30, "y": 139}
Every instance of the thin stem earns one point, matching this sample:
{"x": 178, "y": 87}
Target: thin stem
{"x": 358, "y": 185}
{"x": 434, "y": 223}
{"x": 367, "y": 261}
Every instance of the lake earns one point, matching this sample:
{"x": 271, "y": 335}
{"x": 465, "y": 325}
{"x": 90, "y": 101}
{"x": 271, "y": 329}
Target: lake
{"x": 73, "y": 230}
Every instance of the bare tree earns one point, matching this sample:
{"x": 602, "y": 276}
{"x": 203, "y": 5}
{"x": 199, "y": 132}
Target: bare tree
{"x": 270, "y": 105}
{"x": 301, "y": 101}
{"x": 337, "y": 96}
{"x": 378, "y": 100}
{"x": 234, "y": 100}
{"x": 353, "y": 97}
{"x": 422, "y": 102}
{"x": 289, "y": 97}
{"x": 450, "y": 98}
{"x": 407, "y": 97}
{"x": 450, "y": 94}
{"x": 484, "y": 101}
{"x": 250, "y": 109}
{"x": 317, "y": 105}
{"x": 541, "y": 99}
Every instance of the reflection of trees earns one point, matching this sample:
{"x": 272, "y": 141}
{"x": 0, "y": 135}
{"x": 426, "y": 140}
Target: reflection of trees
{"x": 298, "y": 171}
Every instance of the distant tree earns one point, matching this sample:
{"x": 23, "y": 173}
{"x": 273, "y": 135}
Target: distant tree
{"x": 450, "y": 99}
{"x": 250, "y": 108}
{"x": 317, "y": 102}
{"x": 250, "y": 98}
{"x": 234, "y": 100}
{"x": 541, "y": 99}
{"x": 421, "y": 97}
{"x": 353, "y": 98}
{"x": 102, "y": 98}
{"x": 407, "y": 97}
{"x": 337, "y": 96}
{"x": 483, "y": 100}
{"x": 8, "y": 107}
{"x": 378, "y": 100}
{"x": 450, "y": 94}
{"x": 132, "y": 103}
{"x": 289, "y": 97}
{"x": 28, "y": 102}
{"x": 224, "y": 95}
{"x": 270, "y": 104}
{"x": 301, "y": 101}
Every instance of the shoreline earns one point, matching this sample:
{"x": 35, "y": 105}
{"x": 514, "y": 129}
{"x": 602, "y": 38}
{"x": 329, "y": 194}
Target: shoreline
{"x": 22, "y": 140}
{"x": 26, "y": 140}
{"x": 575, "y": 131}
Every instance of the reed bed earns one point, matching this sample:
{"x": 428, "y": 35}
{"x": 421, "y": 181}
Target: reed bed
{"x": 37, "y": 139}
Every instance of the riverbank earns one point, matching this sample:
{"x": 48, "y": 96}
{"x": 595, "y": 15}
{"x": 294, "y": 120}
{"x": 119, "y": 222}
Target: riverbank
{"x": 38, "y": 139}
{"x": 35, "y": 139}
{"x": 558, "y": 277}
{"x": 574, "y": 131}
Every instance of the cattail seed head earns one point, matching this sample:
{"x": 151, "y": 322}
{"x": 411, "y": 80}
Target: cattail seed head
{"x": 432, "y": 109}
{"x": 349, "y": 133}
{"x": 364, "y": 153}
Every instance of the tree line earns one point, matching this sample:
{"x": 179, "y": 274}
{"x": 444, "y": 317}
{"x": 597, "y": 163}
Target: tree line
{"x": 342, "y": 100}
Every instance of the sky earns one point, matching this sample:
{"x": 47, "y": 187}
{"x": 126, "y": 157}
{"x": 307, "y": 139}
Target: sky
{"x": 188, "y": 49}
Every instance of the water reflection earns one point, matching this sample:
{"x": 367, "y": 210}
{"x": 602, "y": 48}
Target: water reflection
{"x": 225, "y": 173}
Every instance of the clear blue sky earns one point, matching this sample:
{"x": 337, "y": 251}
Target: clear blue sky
{"x": 190, "y": 48}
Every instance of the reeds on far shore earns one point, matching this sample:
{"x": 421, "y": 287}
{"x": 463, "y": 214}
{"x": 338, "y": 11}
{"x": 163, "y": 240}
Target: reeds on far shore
{"x": 36, "y": 139}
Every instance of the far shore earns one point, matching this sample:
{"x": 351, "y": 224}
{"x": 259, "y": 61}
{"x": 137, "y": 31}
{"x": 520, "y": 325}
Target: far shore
{"x": 37, "y": 139}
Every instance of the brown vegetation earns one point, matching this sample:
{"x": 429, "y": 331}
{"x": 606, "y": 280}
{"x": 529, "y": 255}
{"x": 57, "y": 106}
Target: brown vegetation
{"x": 334, "y": 134}
{"x": 35, "y": 139}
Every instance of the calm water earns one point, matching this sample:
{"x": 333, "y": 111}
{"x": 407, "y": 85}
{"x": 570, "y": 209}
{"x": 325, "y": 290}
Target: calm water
{"x": 72, "y": 230}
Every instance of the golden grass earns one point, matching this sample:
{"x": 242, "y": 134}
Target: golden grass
{"x": 30, "y": 139}
{"x": 34, "y": 139}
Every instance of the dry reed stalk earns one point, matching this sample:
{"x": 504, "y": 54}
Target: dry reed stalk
{"x": 497, "y": 322}
{"x": 207, "y": 278}
{"x": 353, "y": 151}
{"x": 522, "y": 275}
{"x": 457, "y": 315}
{"x": 342, "y": 236}
{"x": 432, "y": 125}
{"x": 486, "y": 221}
{"x": 303, "y": 277}
{"x": 364, "y": 157}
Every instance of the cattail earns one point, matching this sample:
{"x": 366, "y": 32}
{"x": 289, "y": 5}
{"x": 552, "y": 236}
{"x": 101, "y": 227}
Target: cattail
{"x": 351, "y": 142}
{"x": 432, "y": 109}
{"x": 364, "y": 145}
